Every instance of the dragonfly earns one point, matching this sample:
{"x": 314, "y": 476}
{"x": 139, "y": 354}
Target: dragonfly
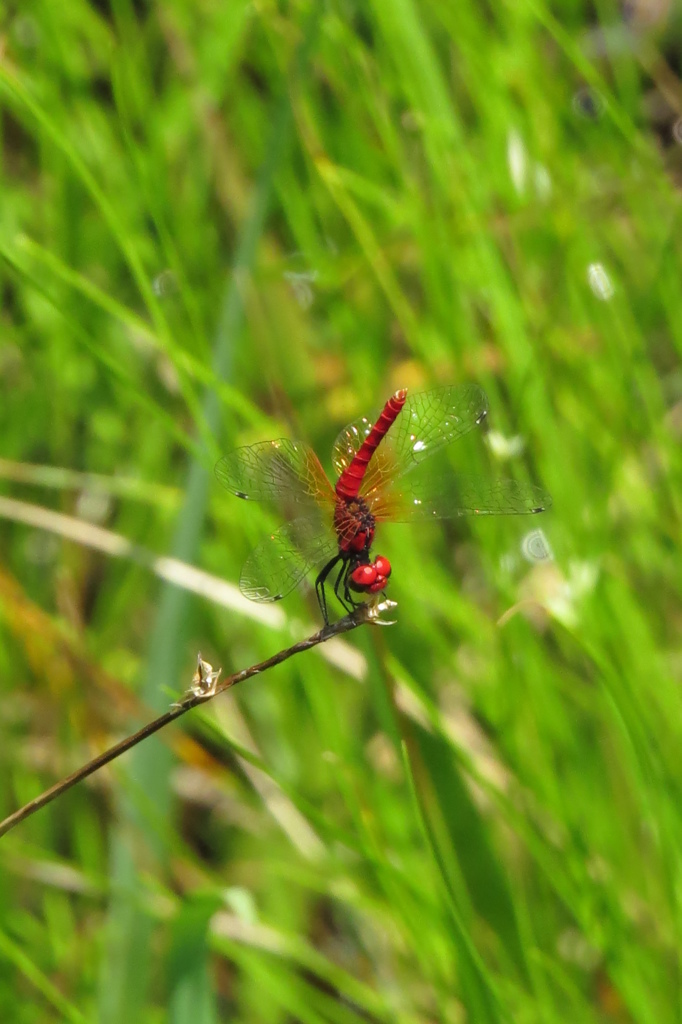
{"x": 331, "y": 527}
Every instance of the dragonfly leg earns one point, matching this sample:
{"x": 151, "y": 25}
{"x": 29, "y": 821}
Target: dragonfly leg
{"x": 319, "y": 584}
{"x": 342, "y": 580}
{"x": 346, "y": 588}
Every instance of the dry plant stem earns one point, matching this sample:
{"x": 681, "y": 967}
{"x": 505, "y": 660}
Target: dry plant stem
{"x": 365, "y": 614}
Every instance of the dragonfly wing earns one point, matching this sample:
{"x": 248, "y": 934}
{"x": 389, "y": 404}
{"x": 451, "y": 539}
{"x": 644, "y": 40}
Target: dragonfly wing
{"x": 280, "y": 562}
{"x": 283, "y": 471}
{"x": 428, "y": 421}
{"x": 415, "y": 501}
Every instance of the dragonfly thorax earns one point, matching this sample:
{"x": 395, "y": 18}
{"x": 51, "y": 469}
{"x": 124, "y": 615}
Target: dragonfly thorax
{"x": 354, "y": 525}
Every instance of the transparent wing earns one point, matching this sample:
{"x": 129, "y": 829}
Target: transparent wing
{"x": 415, "y": 500}
{"x": 280, "y": 562}
{"x": 428, "y": 421}
{"x": 283, "y": 471}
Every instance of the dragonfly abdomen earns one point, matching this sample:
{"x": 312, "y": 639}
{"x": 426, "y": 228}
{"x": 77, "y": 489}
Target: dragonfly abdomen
{"x": 348, "y": 484}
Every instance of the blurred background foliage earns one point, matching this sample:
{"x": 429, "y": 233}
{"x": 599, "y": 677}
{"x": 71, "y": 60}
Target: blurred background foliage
{"x": 229, "y": 220}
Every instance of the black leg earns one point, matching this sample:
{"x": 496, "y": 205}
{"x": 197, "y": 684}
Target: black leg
{"x": 347, "y": 601}
{"x": 346, "y": 588}
{"x": 319, "y": 585}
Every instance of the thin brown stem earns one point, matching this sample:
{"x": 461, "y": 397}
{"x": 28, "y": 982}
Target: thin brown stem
{"x": 206, "y": 685}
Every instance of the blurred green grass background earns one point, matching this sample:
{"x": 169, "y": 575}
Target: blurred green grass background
{"x": 224, "y": 221}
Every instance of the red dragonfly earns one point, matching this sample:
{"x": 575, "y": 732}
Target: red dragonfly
{"x": 333, "y": 526}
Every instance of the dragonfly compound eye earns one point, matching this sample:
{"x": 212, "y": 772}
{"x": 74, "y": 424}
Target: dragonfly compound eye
{"x": 363, "y": 577}
{"x": 382, "y": 566}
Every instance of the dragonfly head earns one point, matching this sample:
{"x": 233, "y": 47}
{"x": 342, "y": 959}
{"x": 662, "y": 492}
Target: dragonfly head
{"x": 370, "y": 577}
